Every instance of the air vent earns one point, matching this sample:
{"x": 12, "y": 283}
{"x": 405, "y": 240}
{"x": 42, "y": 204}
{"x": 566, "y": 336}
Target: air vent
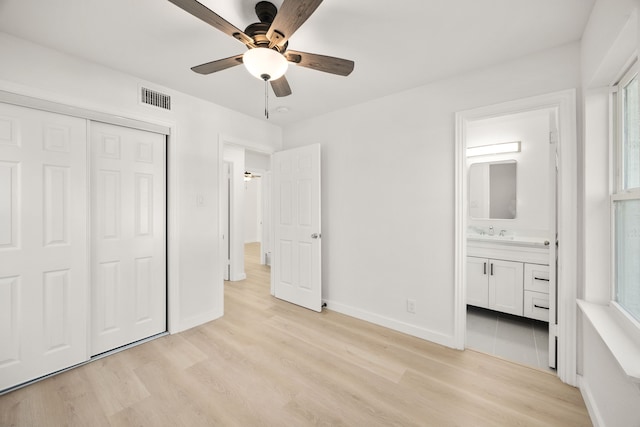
{"x": 157, "y": 99}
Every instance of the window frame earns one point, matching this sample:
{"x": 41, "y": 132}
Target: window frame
{"x": 617, "y": 192}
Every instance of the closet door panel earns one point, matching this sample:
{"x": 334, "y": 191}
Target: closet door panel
{"x": 129, "y": 238}
{"x": 43, "y": 243}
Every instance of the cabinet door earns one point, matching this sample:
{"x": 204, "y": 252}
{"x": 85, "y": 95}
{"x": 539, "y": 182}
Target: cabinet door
{"x": 506, "y": 286}
{"x": 477, "y": 282}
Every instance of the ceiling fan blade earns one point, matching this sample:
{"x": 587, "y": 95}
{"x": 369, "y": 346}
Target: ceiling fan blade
{"x": 281, "y": 87}
{"x": 210, "y": 17}
{"x": 292, "y": 14}
{"x": 219, "y": 65}
{"x": 328, "y": 64}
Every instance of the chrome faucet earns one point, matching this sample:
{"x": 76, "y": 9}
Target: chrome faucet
{"x": 491, "y": 232}
{"x": 502, "y": 233}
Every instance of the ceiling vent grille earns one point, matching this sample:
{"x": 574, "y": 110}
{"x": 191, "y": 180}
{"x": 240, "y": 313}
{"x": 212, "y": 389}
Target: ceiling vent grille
{"x": 157, "y": 99}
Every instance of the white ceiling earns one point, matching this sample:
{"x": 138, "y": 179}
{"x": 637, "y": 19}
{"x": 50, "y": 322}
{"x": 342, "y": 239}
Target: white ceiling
{"x": 395, "y": 45}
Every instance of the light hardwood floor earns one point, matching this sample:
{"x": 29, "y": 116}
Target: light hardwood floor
{"x": 267, "y": 362}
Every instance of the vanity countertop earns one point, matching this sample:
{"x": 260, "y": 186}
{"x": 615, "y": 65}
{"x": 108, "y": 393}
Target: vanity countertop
{"x": 515, "y": 248}
{"x": 510, "y": 240}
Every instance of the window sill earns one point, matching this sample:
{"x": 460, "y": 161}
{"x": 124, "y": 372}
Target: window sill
{"x": 618, "y": 337}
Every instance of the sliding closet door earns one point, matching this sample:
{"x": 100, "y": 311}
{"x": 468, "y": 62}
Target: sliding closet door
{"x": 128, "y": 236}
{"x": 43, "y": 243}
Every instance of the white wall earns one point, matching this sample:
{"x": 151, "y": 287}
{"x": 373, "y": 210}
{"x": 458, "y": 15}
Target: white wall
{"x": 257, "y": 162}
{"x": 34, "y": 70}
{"x": 388, "y": 190}
{"x": 610, "y": 39}
{"x": 252, "y": 210}
{"x": 532, "y": 130}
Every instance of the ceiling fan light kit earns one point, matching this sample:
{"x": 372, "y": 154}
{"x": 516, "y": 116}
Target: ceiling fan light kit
{"x": 264, "y": 63}
{"x": 267, "y": 58}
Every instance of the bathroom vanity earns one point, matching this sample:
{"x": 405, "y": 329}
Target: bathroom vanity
{"x": 509, "y": 274}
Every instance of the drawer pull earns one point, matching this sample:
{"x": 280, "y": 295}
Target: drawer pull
{"x": 540, "y": 278}
{"x": 539, "y": 306}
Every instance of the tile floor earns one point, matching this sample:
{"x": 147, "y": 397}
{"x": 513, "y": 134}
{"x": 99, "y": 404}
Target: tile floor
{"x": 514, "y": 338}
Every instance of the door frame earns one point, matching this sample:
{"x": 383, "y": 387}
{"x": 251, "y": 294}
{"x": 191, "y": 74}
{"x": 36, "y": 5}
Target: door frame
{"x": 38, "y": 100}
{"x": 565, "y": 104}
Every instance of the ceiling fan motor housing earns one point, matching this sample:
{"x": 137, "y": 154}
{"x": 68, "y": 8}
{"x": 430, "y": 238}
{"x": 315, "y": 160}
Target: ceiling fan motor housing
{"x": 266, "y": 12}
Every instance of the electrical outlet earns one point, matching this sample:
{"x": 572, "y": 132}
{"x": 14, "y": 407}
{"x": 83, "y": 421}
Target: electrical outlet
{"x": 411, "y": 306}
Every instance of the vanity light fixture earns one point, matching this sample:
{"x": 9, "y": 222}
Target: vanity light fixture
{"x": 504, "y": 147}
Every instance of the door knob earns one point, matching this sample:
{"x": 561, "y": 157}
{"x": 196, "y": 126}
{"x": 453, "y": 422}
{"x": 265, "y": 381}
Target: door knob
{"x": 316, "y": 236}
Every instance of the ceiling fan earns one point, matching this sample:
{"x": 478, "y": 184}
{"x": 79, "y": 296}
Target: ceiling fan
{"x": 267, "y": 41}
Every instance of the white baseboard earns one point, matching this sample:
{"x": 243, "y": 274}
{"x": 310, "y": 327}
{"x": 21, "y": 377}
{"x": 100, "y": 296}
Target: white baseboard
{"x": 589, "y": 401}
{"x": 198, "y": 320}
{"x": 396, "y": 325}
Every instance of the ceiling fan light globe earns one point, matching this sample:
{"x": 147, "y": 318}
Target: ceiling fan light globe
{"x": 264, "y": 63}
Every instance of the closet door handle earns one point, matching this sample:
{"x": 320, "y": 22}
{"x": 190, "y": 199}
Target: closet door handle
{"x": 485, "y": 269}
{"x": 492, "y": 269}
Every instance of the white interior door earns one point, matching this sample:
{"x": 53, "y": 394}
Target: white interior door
{"x": 43, "y": 243}
{"x": 296, "y": 263}
{"x": 128, "y": 236}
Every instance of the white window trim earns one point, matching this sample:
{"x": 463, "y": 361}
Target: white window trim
{"x": 617, "y": 328}
{"x": 617, "y": 192}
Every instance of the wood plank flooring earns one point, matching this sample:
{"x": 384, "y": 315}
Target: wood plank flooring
{"x": 269, "y": 363}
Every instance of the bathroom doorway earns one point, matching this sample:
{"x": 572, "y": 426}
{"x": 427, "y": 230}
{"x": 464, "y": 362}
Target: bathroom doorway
{"x": 508, "y": 265}
{"x": 510, "y": 224}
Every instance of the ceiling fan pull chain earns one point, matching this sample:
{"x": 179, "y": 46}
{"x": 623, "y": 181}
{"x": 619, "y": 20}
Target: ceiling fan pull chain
{"x": 266, "y": 99}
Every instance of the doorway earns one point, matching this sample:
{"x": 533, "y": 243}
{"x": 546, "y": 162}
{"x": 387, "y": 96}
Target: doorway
{"x": 296, "y": 207}
{"x": 564, "y": 106}
{"x": 511, "y": 220}
{"x": 244, "y": 208}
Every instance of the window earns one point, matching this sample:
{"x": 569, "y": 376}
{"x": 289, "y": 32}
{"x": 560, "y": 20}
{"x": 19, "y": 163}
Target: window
{"x": 626, "y": 196}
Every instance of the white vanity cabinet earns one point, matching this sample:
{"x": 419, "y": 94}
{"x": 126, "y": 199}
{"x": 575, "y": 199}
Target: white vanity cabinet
{"x": 495, "y": 284}
{"x": 509, "y": 278}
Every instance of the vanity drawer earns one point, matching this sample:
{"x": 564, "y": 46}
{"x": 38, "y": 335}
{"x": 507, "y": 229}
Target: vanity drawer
{"x": 536, "y": 278}
{"x": 536, "y": 305}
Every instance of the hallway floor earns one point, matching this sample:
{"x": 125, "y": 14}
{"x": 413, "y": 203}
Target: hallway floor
{"x": 509, "y": 337}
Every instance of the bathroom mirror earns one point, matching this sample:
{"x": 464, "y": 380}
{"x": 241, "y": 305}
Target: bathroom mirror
{"x": 492, "y": 190}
